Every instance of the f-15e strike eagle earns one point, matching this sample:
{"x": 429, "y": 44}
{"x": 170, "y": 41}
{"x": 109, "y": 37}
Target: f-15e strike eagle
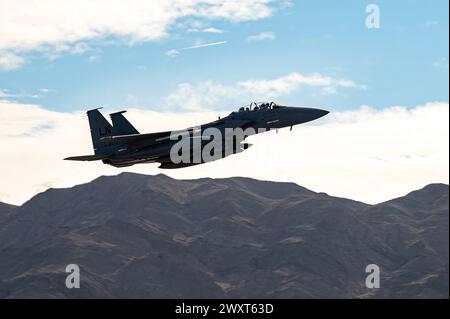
{"x": 120, "y": 144}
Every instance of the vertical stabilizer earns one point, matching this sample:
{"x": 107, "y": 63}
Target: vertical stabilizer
{"x": 100, "y": 127}
{"x": 121, "y": 126}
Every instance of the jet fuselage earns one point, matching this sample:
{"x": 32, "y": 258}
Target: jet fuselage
{"x": 115, "y": 146}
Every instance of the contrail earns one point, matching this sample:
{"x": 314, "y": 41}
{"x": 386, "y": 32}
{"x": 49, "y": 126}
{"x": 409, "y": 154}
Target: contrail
{"x": 174, "y": 52}
{"x": 203, "y": 45}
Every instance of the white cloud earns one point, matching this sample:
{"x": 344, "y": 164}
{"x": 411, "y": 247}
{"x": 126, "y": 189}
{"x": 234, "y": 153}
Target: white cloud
{"x": 93, "y": 58}
{"x": 212, "y": 30}
{"x": 365, "y": 154}
{"x": 172, "y": 53}
{"x": 263, "y": 36}
{"x": 4, "y": 93}
{"x": 45, "y": 90}
{"x": 10, "y": 61}
{"x": 206, "y": 30}
{"x": 441, "y": 64}
{"x": 430, "y": 23}
{"x": 287, "y": 4}
{"x": 7, "y": 94}
{"x": 61, "y": 25}
{"x": 203, "y": 96}
{"x": 285, "y": 84}
{"x": 288, "y": 83}
{"x": 207, "y": 95}
{"x": 80, "y": 48}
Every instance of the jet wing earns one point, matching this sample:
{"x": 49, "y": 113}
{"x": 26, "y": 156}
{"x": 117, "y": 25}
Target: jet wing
{"x": 144, "y": 139}
{"x": 149, "y": 138}
{"x": 159, "y": 137}
{"x": 86, "y": 158}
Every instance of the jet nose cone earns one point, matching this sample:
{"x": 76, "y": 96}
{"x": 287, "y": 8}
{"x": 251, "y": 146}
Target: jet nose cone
{"x": 318, "y": 113}
{"x": 306, "y": 114}
{"x": 299, "y": 115}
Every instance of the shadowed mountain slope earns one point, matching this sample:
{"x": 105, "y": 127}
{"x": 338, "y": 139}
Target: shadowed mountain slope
{"x": 139, "y": 236}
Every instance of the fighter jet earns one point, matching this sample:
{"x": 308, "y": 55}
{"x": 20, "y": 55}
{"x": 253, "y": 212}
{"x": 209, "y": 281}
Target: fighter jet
{"x": 120, "y": 144}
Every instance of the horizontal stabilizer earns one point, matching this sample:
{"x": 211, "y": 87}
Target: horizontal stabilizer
{"x": 86, "y": 158}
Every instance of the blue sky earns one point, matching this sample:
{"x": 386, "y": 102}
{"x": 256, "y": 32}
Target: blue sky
{"x": 405, "y": 62}
{"x": 179, "y": 63}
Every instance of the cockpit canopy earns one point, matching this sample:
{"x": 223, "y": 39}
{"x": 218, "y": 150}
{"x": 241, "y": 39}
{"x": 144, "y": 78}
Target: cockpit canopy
{"x": 256, "y": 106}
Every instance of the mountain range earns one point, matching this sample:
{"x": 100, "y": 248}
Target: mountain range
{"x": 141, "y": 236}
